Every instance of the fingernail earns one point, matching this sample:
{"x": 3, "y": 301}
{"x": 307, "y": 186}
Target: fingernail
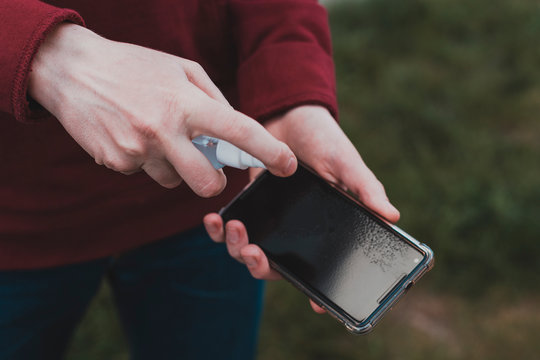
{"x": 250, "y": 261}
{"x": 291, "y": 165}
{"x": 232, "y": 236}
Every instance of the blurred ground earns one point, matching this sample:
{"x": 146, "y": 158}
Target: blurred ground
{"x": 424, "y": 325}
{"x": 442, "y": 98}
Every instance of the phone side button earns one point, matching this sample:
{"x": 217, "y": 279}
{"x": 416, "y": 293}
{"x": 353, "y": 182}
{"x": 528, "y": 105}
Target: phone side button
{"x": 409, "y": 285}
{"x": 400, "y": 295}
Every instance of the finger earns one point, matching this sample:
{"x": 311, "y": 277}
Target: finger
{"x": 197, "y": 76}
{"x": 361, "y": 181}
{"x": 372, "y": 194}
{"x": 253, "y": 173}
{"x": 162, "y": 172}
{"x": 316, "y": 308}
{"x": 194, "y": 168}
{"x": 213, "y": 224}
{"x": 257, "y": 263}
{"x": 131, "y": 172}
{"x": 209, "y": 117}
{"x": 236, "y": 238}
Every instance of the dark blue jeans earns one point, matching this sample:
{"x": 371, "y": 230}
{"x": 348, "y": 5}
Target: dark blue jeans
{"x": 179, "y": 298}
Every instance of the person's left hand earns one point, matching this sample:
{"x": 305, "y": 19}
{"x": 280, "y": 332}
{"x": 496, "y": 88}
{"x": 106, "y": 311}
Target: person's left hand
{"x": 317, "y": 140}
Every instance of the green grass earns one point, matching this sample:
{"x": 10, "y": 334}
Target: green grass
{"x": 441, "y": 97}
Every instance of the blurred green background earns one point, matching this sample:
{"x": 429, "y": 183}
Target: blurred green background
{"x": 442, "y": 99}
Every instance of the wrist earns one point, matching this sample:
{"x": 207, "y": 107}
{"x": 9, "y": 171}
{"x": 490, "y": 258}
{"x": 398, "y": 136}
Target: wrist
{"x": 298, "y": 119}
{"x": 65, "y": 46}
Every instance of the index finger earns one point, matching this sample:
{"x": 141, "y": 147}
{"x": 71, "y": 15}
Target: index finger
{"x": 209, "y": 117}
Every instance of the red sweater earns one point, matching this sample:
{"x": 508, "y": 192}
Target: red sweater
{"x": 56, "y": 205}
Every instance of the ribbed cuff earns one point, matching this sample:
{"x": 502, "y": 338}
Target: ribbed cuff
{"x": 281, "y": 76}
{"x": 20, "y": 104}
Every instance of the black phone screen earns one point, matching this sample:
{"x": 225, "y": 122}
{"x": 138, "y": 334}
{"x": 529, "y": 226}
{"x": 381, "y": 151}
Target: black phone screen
{"x": 327, "y": 241}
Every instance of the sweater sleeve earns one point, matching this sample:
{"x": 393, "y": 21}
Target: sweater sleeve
{"x": 23, "y": 27}
{"x": 285, "y": 55}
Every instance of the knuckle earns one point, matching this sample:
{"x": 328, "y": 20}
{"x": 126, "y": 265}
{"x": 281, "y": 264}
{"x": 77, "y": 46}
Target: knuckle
{"x": 193, "y": 71}
{"x": 146, "y": 130}
{"x": 99, "y": 160}
{"x": 119, "y": 164}
{"x": 197, "y": 68}
{"x": 194, "y": 66}
{"x": 98, "y": 154}
{"x": 131, "y": 148}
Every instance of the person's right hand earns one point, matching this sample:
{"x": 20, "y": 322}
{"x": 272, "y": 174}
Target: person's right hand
{"x": 133, "y": 108}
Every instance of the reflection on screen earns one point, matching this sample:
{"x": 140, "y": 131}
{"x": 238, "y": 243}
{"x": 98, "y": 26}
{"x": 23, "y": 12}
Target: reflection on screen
{"x": 329, "y": 242}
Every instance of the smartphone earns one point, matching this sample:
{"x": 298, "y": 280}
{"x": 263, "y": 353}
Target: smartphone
{"x": 344, "y": 257}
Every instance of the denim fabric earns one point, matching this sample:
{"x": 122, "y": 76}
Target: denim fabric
{"x": 179, "y": 298}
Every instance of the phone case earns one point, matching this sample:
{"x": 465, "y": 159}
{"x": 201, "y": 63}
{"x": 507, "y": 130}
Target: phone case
{"x": 388, "y": 299}
{"x": 391, "y": 298}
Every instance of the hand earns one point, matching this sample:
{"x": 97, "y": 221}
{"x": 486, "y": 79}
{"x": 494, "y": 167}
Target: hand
{"x": 315, "y": 137}
{"x": 132, "y": 109}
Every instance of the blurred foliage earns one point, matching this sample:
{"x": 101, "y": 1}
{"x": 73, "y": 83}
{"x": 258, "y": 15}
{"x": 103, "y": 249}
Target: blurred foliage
{"x": 441, "y": 97}
{"x": 100, "y": 335}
